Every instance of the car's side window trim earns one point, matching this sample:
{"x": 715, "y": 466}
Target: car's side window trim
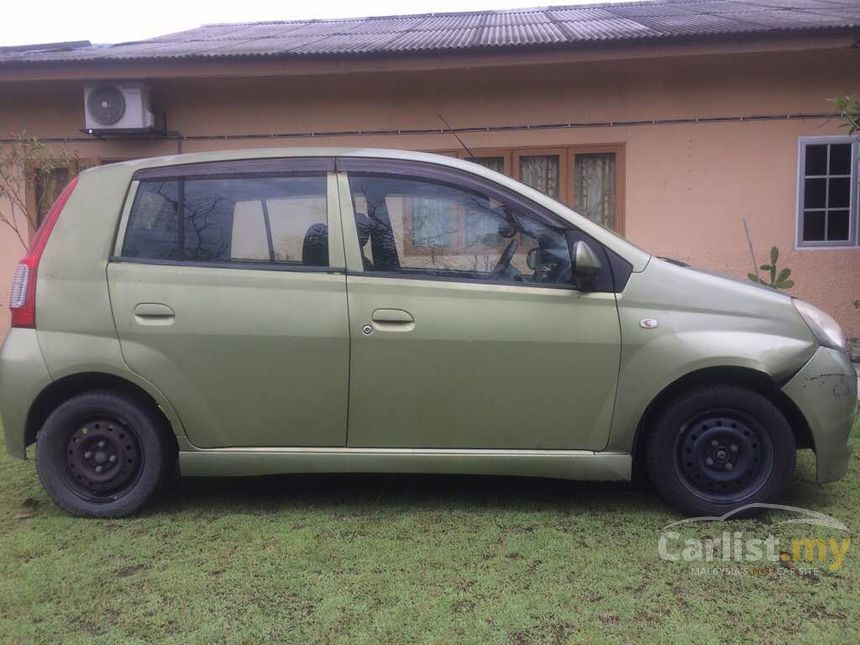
{"x": 247, "y": 266}
{"x": 459, "y": 179}
{"x": 275, "y": 167}
{"x": 621, "y": 269}
{"x": 122, "y": 227}
{"x": 436, "y": 278}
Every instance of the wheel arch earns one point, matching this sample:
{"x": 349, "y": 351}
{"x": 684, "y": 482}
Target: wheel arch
{"x": 753, "y": 379}
{"x": 58, "y": 392}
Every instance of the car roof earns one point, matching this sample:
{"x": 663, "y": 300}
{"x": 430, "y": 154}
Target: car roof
{"x": 268, "y": 153}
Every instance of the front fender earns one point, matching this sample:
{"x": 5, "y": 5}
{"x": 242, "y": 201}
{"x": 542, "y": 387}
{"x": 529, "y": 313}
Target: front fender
{"x": 652, "y": 369}
{"x": 703, "y": 321}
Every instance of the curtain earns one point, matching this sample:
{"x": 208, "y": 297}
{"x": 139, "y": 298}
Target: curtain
{"x": 594, "y": 177}
{"x": 493, "y": 163}
{"x": 541, "y": 172}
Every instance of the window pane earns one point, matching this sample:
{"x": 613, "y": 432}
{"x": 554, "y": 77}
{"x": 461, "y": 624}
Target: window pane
{"x": 541, "y": 173}
{"x": 839, "y": 192}
{"x": 827, "y": 200}
{"x": 813, "y": 226}
{"x": 493, "y": 163}
{"x": 208, "y": 218}
{"x": 292, "y": 216}
{"x": 840, "y": 159}
{"x": 815, "y": 193}
{"x": 153, "y": 226}
{"x": 481, "y": 229}
{"x": 473, "y": 235}
{"x": 594, "y": 181}
{"x": 242, "y": 219}
{"x": 249, "y": 233}
{"x": 816, "y": 159}
{"x": 432, "y": 223}
{"x": 226, "y": 220}
{"x": 837, "y": 225}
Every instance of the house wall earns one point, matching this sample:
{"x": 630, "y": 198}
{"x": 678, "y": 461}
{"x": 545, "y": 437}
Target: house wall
{"x": 687, "y": 185}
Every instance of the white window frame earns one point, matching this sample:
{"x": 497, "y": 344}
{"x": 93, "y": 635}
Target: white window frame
{"x": 853, "y": 201}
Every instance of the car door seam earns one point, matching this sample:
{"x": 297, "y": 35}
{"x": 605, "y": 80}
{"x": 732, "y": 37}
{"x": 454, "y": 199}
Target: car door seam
{"x": 346, "y": 297}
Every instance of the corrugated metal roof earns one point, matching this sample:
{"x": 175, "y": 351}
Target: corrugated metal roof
{"x": 511, "y": 29}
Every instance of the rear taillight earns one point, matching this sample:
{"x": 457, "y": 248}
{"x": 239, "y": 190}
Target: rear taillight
{"x": 22, "y": 297}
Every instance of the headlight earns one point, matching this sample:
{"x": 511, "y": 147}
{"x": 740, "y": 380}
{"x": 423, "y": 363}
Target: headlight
{"x": 826, "y": 330}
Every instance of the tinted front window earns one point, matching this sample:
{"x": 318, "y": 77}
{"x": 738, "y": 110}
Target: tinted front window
{"x": 243, "y": 219}
{"x": 422, "y": 227}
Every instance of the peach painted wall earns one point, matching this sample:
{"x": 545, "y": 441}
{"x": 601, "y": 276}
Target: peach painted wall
{"x": 11, "y": 249}
{"x": 688, "y": 186}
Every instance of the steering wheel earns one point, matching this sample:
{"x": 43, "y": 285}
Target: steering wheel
{"x": 504, "y": 262}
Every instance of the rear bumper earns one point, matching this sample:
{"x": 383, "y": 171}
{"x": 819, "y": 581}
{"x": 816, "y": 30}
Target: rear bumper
{"x": 825, "y": 390}
{"x": 23, "y": 375}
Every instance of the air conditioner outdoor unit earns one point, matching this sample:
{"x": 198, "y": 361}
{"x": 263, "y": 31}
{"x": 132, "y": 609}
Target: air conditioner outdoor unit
{"x": 118, "y": 107}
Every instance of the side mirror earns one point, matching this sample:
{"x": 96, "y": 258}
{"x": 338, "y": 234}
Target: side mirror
{"x": 586, "y": 264}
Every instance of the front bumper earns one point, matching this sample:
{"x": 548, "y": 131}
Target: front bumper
{"x": 23, "y": 375}
{"x": 825, "y": 391}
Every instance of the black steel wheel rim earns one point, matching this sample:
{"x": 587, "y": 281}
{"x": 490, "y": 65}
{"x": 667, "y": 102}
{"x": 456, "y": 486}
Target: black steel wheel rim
{"x": 103, "y": 459}
{"x": 723, "y": 456}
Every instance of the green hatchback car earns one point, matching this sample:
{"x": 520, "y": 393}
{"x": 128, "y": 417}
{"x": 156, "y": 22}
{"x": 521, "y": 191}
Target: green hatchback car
{"x": 347, "y": 310}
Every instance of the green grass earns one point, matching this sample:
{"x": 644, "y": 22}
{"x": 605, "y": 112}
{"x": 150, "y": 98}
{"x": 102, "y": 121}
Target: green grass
{"x": 378, "y": 558}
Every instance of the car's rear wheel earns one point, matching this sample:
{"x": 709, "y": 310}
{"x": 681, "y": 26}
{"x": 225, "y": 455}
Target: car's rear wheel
{"x": 720, "y": 448}
{"x": 104, "y": 454}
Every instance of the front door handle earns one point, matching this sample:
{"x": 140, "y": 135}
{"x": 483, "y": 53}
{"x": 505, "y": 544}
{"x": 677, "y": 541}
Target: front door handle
{"x": 153, "y": 313}
{"x": 392, "y": 320}
{"x": 392, "y": 316}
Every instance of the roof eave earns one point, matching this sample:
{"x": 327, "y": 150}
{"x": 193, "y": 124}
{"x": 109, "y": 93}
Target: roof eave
{"x": 304, "y": 65}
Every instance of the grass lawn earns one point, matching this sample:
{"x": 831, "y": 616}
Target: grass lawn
{"x": 404, "y": 558}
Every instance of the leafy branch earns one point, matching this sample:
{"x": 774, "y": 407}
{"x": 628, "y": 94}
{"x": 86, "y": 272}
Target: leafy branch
{"x": 848, "y": 107}
{"x": 777, "y": 280}
{"x": 27, "y": 162}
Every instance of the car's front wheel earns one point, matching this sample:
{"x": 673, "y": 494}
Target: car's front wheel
{"x": 719, "y": 448}
{"x": 104, "y": 454}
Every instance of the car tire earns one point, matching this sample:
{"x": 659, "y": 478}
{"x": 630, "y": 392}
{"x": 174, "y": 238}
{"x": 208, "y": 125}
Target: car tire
{"x": 718, "y": 449}
{"x": 104, "y": 454}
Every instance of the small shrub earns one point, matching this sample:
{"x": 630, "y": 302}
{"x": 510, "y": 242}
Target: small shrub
{"x": 778, "y": 280}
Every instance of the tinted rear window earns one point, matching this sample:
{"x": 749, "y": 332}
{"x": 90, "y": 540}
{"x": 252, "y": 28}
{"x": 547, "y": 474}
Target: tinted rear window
{"x": 230, "y": 220}
{"x": 153, "y": 227}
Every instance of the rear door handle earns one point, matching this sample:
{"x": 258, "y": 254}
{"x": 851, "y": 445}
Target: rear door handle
{"x": 153, "y": 313}
{"x": 392, "y": 320}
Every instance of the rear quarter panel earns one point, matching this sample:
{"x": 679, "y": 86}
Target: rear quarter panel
{"x": 76, "y": 330}
{"x": 23, "y": 375}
